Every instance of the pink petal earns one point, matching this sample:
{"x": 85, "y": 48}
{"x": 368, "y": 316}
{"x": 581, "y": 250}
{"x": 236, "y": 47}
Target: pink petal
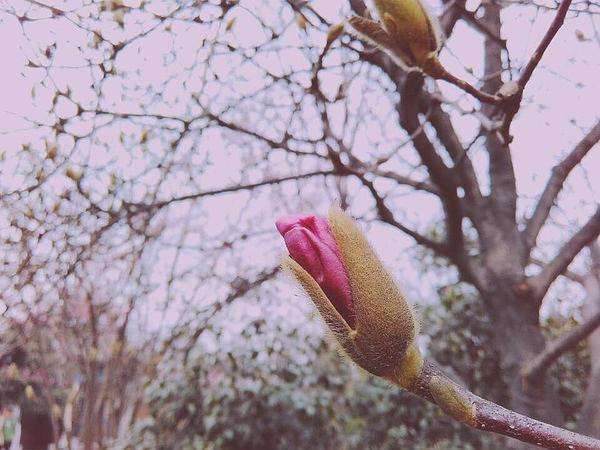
{"x": 311, "y": 244}
{"x": 300, "y": 246}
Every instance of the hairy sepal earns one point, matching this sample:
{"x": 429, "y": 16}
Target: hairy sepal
{"x": 385, "y": 322}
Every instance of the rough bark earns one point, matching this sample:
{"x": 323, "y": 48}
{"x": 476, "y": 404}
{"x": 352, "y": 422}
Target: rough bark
{"x": 590, "y": 411}
{"x": 519, "y": 339}
{"x": 516, "y": 321}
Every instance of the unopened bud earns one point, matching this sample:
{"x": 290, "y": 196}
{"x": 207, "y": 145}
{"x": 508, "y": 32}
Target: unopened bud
{"x": 407, "y": 32}
{"x": 51, "y": 152}
{"x": 73, "y": 174}
{"x": 357, "y": 297}
{"x": 230, "y": 23}
{"x": 29, "y": 392}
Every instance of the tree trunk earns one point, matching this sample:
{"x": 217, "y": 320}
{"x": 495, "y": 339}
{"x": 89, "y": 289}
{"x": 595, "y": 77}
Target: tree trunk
{"x": 589, "y": 423}
{"x": 518, "y": 338}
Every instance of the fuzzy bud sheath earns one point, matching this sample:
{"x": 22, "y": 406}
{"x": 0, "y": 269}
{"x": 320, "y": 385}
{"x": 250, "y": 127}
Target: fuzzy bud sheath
{"x": 407, "y": 32}
{"x": 354, "y": 293}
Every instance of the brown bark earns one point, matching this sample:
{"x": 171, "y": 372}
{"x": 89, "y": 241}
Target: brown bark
{"x": 515, "y": 320}
{"x": 458, "y": 402}
{"x": 590, "y": 411}
{"x": 519, "y": 339}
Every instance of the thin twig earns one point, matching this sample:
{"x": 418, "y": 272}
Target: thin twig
{"x": 555, "y": 184}
{"x": 569, "y": 274}
{"x": 539, "y": 52}
{"x": 470, "y": 18}
{"x": 469, "y": 88}
{"x": 527, "y": 72}
{"x": 588, "y": 233}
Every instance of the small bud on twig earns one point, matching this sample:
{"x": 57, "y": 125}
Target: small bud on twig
{"x": 411, "y": 36}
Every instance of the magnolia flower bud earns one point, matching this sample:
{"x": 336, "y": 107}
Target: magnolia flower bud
{"x": 407, "y": 32}
{"x": 354, "y": 293}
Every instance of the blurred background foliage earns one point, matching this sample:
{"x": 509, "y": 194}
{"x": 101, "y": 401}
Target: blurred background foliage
{"x": 300, "y": 393}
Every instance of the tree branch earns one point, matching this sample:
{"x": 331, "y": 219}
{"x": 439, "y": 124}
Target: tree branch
{"x": 557, "y": 348}
{"x": 539, "y": 51}
{"x": 531, "y": 66}
{"x": 575, "y": 277}
{"x": 469, "y": 17}
{"x": 447, "y": 135}
{"x": 586, "y": 234}
{"x": 386, "y": 215}
{"x": 560, "y": 172}
{"x": 482, "y": 96}
{"x": 461, "y": 404}
{"x": 239, "y": 187}
{"x": 239, "y": 288}
{"x": 441, "y": 175}
{"x": 503, "y": 193}
{"x": 407, "y": 181}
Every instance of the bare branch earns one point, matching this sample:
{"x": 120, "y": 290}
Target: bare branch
{"x": 469, "y": 17}
{"x": 575, "y": 277}
{"x": 560, "y": 172}
{"x": 458, "y": 402}
{"x": 560, "y": 346}
{"x": 236, "y": 188}
{"x": 503, "y": 193}
{"x": 514, "y": 106}
{"x": 448, "y": 137}
{"x": 387, "y": 216}
{"x": 407, "y": 181}
{"x": 539, "y": 51}
{"x": 240, "y": 287}
{"x": 470, "y": 89}
{"x": 441, "y": 175}
{"x": 270, "y": 142}
{"x": 588, "y": 233}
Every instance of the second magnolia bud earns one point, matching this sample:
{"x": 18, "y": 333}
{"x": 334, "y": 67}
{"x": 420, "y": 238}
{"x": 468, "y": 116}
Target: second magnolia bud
{"x": 406, "y": 31}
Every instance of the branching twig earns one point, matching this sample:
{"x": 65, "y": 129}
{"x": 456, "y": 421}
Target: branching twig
{"x": 469, "y": 88}
{"x": 539, "y": 51}
{"x": 570, "y": 275}
{"x": 236, "y": 188}
{"x": 470, "y": 18}
{"x": 531, "y": 66}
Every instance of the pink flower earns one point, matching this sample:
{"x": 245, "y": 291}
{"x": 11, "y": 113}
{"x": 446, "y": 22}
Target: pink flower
{"x": 311, "y": 244}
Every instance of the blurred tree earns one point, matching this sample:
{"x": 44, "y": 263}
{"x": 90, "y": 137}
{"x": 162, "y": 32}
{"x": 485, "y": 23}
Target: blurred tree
{"x": 301, "y": 394}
